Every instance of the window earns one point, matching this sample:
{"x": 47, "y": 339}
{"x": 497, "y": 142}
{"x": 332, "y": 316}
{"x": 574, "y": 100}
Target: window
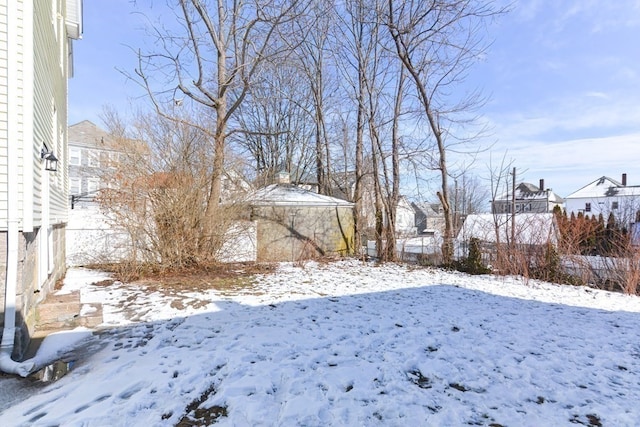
{"x": 75, "y": 186}
{"x": 114, "y": 159}
{"x": 104, "y": 159}
{"x": 94, "y": 160}
{"x": 587, "y": 207}
{"x": 75, "y": 156}
{"x": 92, "y": 185}
{"x": 614, "y": 205}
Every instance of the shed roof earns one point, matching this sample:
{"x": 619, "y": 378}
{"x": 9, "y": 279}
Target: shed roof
{"x": 291, "y": 195}
{"x": 530, "y": 228}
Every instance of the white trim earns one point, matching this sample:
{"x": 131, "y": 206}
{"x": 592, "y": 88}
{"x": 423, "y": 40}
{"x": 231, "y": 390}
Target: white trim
{"x": 72, "y": 155}
{"x": 93, "y": 158}
{"x": 29, "y": 157}
{"x": 93, "y": 185}
{"x": 75, "y": 185}
{"x": 73, "y": 19}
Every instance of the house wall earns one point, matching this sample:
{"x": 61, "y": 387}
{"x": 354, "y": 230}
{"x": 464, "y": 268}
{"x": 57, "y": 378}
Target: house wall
{"x": 29, "y": 290}
{"x": 91, "y": 152}
{"x": 526, "y": 206}
{"x": 625, "y": 212}
{"x": 33, "y": 105}
{"x": 50, "y": 103}
{"x": 405, "y": 219}
{"x": 290, "y": 233}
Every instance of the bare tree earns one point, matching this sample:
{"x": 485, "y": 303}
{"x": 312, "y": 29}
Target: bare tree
{"x": 358, "y": 52}
{"x": 312, "y": 54}
{"x": 470, "y": 196}
{"x": 212, "y": 61}
{"x": 278, "y": 126}
{"x": 437, "y": 41}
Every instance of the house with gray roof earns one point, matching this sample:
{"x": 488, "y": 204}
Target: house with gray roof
{"x": 528, "y": 199}
{"x": 91, "y": 149}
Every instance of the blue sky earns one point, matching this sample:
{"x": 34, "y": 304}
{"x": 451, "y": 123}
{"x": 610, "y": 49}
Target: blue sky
{"x": 562, "y": 76}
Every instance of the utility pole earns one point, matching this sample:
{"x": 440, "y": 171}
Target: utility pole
{"x": 513, "y": 208}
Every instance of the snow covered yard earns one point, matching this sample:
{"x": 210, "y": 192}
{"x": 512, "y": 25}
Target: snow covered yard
{"x": 348, "y": 344}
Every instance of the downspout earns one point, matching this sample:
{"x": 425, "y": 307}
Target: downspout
{"x": 7, "y": 364}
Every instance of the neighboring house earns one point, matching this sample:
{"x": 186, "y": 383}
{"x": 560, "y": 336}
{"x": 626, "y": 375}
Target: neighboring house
{"x": 528, "y": 199}
{"x": 429, "y": 218}
{"x": 405, "y": 218}
{"x": 293, "y": 223}
{"x": 35, "y": 63}
{"x": 303, "y": 178}
{"x": 91, "y": 150}
{"x": 605, "y": 196}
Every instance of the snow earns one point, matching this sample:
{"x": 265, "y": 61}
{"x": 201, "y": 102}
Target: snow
{"x": 291, "y": 195}
{"x": 530, "y": 228}
{"x": 350, "y": 343}
{"x": 605, "y": 187}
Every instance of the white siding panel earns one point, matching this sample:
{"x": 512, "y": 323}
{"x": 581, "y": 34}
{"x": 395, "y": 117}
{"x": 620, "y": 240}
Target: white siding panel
{"x": 50, "y": 91}
{"x": 3, "y": 115}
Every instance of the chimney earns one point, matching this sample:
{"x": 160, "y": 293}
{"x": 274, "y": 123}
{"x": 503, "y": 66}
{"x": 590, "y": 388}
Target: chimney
{"x": 624, "y": 179}
{"x": 283, "y": 178}
{"x": 541, "y": 184}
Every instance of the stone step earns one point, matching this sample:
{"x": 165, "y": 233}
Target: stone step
{"x": 91, "y": 315}
{"x": 64, "y": 312}
{"x": 59, "y": 308}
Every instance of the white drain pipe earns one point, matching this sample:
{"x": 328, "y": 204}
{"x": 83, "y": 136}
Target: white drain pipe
{"x": 7, "y": 364}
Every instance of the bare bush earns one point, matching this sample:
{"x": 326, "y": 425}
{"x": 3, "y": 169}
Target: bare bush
{"x": 157, "y": 194}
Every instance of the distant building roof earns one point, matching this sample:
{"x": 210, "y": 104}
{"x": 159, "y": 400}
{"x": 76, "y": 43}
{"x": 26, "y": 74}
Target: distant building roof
{"x": 87, "y": 134}
{"x": 428, "y": 209}
{"x": 605, "y": 187}
{"x": 528, "y": 191}
{"x": 291, "y": 195}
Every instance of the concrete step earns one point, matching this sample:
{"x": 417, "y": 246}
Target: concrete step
{"x": 91, "y": 315}
{"x": 65, "y": 312}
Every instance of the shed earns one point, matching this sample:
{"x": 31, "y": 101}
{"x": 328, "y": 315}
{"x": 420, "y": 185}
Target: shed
{"x": 294, "y": 223}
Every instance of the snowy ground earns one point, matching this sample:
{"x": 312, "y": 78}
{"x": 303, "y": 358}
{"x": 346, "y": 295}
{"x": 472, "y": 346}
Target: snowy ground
{"x": 348, "y": 344}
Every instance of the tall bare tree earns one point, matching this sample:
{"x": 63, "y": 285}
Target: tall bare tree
{"x": 437, "y": 41}
{"x": 358, "y": 41}
{"x": 312, "y": 54}
{"x": 211, "y": 59}
{"x": 278, "y": 124}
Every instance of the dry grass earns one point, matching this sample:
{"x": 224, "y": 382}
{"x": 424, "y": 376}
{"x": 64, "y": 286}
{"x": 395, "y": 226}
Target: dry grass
{"x": 220, "y": 277}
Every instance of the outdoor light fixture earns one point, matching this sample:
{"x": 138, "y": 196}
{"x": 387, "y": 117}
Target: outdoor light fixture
{"x": 50, "y": 160}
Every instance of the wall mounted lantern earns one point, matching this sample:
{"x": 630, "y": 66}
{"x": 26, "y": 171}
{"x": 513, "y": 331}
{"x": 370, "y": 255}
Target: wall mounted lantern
{"x": 50, "y": 160}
